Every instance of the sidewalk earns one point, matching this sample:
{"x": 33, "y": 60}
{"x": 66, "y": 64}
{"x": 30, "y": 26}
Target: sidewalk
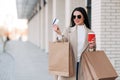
{"x": 7, "y": 67}
{"x": 31, "y": 63}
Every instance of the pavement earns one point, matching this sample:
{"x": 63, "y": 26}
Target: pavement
{"x": 7, "y": 67}
{"x": 23, "y": 61}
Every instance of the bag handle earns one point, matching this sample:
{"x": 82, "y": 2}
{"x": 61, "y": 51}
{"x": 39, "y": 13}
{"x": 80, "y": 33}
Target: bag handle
{"x": 87, "y": 49}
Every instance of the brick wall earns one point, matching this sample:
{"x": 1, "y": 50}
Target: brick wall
{"x": 110, "y": 24}
{"x": 106, "y": 24}
{"x": 96, "y": 21}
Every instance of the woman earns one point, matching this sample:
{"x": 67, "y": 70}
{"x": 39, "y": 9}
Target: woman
{"x": 77, "y": 34}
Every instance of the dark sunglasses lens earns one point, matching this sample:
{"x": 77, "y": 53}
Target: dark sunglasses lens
{"x": 79, "y": 16}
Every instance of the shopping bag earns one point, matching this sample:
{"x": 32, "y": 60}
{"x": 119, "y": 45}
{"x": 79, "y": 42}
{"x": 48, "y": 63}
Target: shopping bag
{"x": 85, "y": 72}
{"x": 98, "y": 66}
{"x": 61, "y": 60}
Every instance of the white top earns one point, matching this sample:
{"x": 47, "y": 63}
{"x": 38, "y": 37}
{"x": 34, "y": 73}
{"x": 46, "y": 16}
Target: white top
{"x": 81, "y": 40}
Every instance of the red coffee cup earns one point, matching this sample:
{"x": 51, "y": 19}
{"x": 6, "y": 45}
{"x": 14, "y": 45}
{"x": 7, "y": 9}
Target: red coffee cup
{"x": 91, "y": 36}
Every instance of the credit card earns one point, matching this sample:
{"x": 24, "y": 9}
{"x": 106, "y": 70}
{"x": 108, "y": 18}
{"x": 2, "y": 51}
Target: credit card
{"x": 55, "y": 21}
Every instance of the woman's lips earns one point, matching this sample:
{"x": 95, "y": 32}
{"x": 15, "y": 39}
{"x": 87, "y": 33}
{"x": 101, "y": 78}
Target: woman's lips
{"x": 77, "y": 21}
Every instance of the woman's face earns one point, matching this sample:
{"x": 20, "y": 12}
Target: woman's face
{"x": 78, "y": 18}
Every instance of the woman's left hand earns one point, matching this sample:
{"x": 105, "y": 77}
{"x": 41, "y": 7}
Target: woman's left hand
{"x": 92, "y": 44}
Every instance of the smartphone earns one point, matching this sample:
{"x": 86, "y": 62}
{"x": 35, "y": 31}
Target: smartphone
{"x": 55, "y": 21}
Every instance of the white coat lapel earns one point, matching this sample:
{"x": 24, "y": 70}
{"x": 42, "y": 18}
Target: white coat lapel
{"x": 72, "y": 29}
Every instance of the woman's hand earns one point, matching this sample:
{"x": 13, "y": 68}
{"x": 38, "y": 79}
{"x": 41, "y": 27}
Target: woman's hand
{"x": 56, "y": 29}
{"x": 92, "y": 44}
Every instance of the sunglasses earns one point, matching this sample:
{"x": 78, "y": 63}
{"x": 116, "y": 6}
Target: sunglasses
{"x": 78, "y": 16}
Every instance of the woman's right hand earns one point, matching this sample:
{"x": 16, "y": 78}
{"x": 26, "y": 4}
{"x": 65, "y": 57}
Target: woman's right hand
{"x": 92, "y": 44}
{"x": 56, "y": 29}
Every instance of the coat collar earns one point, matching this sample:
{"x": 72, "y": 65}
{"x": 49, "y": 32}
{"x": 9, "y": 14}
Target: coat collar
{"x": 74, "y": 29}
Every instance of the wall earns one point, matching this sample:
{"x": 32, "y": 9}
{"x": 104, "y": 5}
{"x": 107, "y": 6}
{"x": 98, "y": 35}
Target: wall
{"x": 106, "y": 24}
{"x": 110, "y": 24}
{"x": 34, "y": 30}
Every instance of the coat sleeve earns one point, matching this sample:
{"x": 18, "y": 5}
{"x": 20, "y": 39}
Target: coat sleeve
{"x": 64, "y": 36}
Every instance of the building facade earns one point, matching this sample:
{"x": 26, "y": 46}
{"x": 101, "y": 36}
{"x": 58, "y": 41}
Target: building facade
{"x": 105, "y": 22}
